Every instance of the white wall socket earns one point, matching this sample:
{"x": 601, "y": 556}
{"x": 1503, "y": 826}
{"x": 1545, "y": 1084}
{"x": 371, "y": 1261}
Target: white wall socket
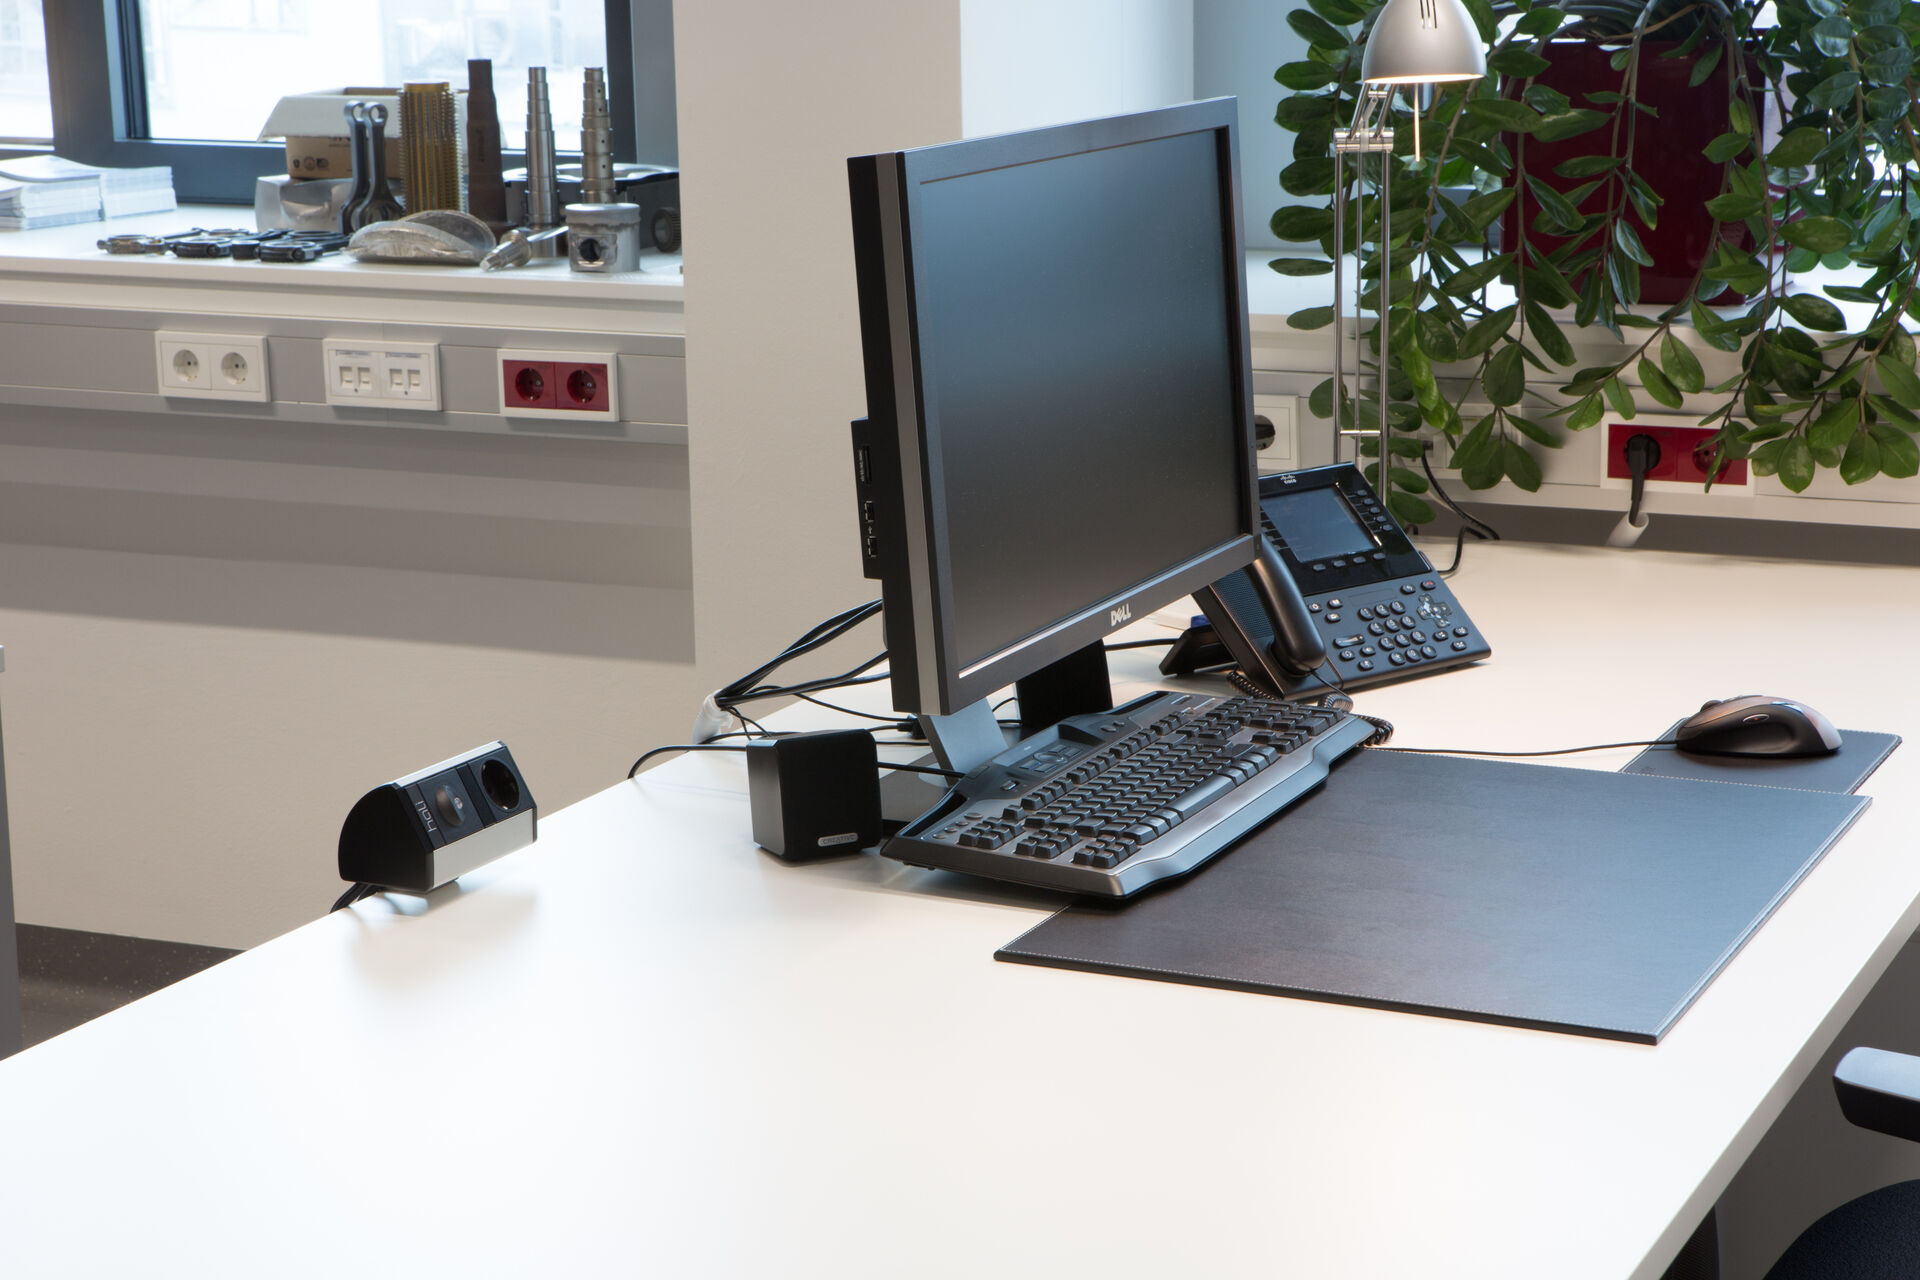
{"x": 211, "y": 366}
{"x": 1283, "y": 452}
{"x": 374, "y": 371}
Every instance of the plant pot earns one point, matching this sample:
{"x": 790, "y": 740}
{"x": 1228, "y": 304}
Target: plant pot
{"x": 1667, "y": 155}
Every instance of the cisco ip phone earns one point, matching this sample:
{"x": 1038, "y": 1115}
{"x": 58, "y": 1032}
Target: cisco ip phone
{"x": 1372, "y": 598}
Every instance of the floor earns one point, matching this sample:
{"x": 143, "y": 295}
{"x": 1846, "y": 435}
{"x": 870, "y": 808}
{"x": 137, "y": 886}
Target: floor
{"x": 68, "y": 976}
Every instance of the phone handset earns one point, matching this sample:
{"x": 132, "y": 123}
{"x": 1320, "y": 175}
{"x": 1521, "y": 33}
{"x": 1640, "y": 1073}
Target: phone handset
{"x": 1297, "y": 646}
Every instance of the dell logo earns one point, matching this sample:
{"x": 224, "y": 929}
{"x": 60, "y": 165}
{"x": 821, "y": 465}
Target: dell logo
{"x": 1117, "y": 616}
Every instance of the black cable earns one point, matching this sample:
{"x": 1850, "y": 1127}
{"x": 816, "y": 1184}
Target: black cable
{"x": 358, "y": 891}
{"x": 744, "y": 719}
{"x": 840, "y": 681}
{"x": 921, "y": 768}
{"x": 822, "y": 633}
{"x": 1468, "y": 523}
{"x": 1560, "y": 751}
{"x": 1643, "y": 455}
{"x": 685, "y": 746}
{"x": 893, "y": 722}
{"x": 1143, "y": 644}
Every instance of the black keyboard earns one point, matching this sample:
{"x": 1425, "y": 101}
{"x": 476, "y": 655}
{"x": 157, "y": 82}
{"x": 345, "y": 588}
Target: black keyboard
{"x": 1108, "y": 803}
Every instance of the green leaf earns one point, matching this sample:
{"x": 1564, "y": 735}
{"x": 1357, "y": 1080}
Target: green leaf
{"x": 1546, "y": 99}
{"x": 1886, "y": 66}
{"x": 1629, "y": 242}
{"x": 1536, "y": 432}
{"x": 1310, "y": 177}
{"x": 1733, "y": 207}
{"x": 1899, "y": 379}
{"x": 1311, "y": 318}
{"x": 1548, "y": 335}
{"x": 1320, "y": 399}
{"x": 1619, "y": 397}
{"x": 1405, "y": 477}
{"x": 1835, "y": 425}
{"x": 1482, "y": 209}
{"x": 1680, "y": 365}
{"x": 1304, "y": 76}
{"x": 1464, "y": 283}
{"x": 1887, "y": 103}
{"x": 1505, "y": 380}
{"x": 1436, "y": 337}
{"x": 1409, "y": 509}
{"x": 1820, "y": 234}
{"x": 1301, "y": 266}
{"x": 1562, "y": 125}
{"x": 1344, "y": 12}
{"x": 1304, "y": 110}
{"x": 1585, "y": 414}
{"x": 1814, "y": 311}
{"x": 1899, "y": 454}
{"x": 1474, "y": 446}
{"x": 1861, "y": 462}
{"x": 1835, "y": 91}
{"x": 1299, "y": 222}
{"x": 1586, "y": 166}
{"x": 1657, "y": 384}
{"x": 1798, "y": 148}
{"x": 1547, "y": 285}
{"x": 1543, "y": 21}
{"x": 1516, "y": 61}
{"x": 1504, "y": 114}
{"x": 1484, "y": 332}
{"x": 1739, "y": 115}
{"x": 1796, "y": 464}
{"x": 1704, "y": 66}
{"x": 1765, "y": 460}
{"x": 1849, "y": 293}
{"x": 1833, "y": 36}
{"x": 1316, "y": 30}
{"x": 1725, "y": 147}
{"x": 1520, "y": 466}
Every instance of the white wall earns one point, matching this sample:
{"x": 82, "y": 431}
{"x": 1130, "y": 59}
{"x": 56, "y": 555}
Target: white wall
{"x": 1027, "y": 64}
{"x": 1237, "y": 46}
{"x": 773, "y": 99}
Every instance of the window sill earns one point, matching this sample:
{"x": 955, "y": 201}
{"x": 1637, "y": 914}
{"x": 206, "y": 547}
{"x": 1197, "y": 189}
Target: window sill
{"x": 65, "y": 265}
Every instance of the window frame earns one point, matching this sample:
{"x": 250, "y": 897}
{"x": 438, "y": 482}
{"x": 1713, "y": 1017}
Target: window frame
{"x": 102, "y": 119}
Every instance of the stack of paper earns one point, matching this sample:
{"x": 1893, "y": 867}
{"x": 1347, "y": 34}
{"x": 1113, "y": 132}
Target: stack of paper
{"x": 47, "y": 191}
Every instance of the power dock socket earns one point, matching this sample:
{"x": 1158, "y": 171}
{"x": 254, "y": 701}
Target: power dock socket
{"x": 1684, "y": 458}
{"x": 206, "y": 366}
{"x": 573, "y": 385}
{"x": 375, "y": 372}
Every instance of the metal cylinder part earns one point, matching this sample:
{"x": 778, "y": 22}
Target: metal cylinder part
{"x": 542, "y": 211}
{"x": 596, "y": 141}
{"x": 603, "y": 238}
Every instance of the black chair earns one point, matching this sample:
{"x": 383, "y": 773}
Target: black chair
{"x": 1878, "y": 1234}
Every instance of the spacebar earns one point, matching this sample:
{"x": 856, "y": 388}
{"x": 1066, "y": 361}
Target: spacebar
{"x": 1201, "y": 796}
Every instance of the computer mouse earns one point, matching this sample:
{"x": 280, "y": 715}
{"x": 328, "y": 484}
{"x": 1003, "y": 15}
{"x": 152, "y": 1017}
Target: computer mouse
{"x": 1757, "y": 725}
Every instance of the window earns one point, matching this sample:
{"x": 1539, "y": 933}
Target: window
{"x": 188, "y": 83}
{"x": 26, "y": 103}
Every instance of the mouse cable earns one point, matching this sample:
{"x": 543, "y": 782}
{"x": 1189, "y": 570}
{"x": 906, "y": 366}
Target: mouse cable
{"x": 1558, "y": 751}
{"x": 1469, "y": 524}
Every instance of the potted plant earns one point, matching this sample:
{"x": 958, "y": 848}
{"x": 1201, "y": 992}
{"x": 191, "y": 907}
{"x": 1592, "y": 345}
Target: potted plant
{"x": 1838, "y": 188}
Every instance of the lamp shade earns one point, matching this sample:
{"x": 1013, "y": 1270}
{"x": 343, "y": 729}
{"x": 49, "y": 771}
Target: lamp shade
{"x": 1423, "y": 42}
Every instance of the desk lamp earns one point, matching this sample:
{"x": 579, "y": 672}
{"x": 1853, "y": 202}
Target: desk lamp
{"x": 1414, "y": 43}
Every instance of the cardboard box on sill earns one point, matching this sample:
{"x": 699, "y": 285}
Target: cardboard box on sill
{"x": 315, "y": 127}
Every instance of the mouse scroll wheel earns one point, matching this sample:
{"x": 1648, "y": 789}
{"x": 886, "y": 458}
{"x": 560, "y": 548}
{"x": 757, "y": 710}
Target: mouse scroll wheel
{"x": 1758, "y": 718}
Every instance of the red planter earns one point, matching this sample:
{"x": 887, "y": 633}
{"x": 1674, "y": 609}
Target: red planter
{"x": 1667, "y": 154}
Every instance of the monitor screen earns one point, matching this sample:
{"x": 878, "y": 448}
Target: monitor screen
{"x": 1055, "y": 337}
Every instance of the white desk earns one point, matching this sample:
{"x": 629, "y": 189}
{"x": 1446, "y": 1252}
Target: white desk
{"x": 644, "y": 1048}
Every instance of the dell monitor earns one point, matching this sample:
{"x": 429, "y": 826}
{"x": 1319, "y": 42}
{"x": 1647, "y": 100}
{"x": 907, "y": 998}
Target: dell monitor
{"x": 1059, "y": 433}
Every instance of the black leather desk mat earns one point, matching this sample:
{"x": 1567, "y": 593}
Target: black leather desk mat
{"x": 1859, "y": 755}
{"x": 1531, "y": 895}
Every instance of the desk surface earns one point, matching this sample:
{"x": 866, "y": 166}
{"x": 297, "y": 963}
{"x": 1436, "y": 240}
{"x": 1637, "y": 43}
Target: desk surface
{"x": 643, "y": 1047}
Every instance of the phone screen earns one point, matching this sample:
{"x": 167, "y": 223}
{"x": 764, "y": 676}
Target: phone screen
{"x": 1316, "y": 524}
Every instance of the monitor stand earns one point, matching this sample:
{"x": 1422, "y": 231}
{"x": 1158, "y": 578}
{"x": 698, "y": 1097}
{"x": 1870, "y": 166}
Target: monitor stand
{"x": 1071, "y": 686}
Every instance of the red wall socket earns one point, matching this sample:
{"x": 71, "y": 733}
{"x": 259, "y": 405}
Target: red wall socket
{"x": 556, "y": 384}
{"x": 1683, "y": 456}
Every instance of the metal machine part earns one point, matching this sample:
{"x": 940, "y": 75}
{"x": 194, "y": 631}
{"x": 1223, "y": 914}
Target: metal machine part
{"x": 542, "y": 210}
{"x": 596, "y": 142}
{"x": 486, "y": 192}
{"x": 430, "y": 146}
{"x": 655, "y": 188}
{"x": 381, "y": 205}
{"x": 603, "y": 238}
{"x": 520, "y": 246}
{"x": 356, "y": 113}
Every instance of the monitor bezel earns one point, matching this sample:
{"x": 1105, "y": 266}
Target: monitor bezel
{"x": 928, "y": 677}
